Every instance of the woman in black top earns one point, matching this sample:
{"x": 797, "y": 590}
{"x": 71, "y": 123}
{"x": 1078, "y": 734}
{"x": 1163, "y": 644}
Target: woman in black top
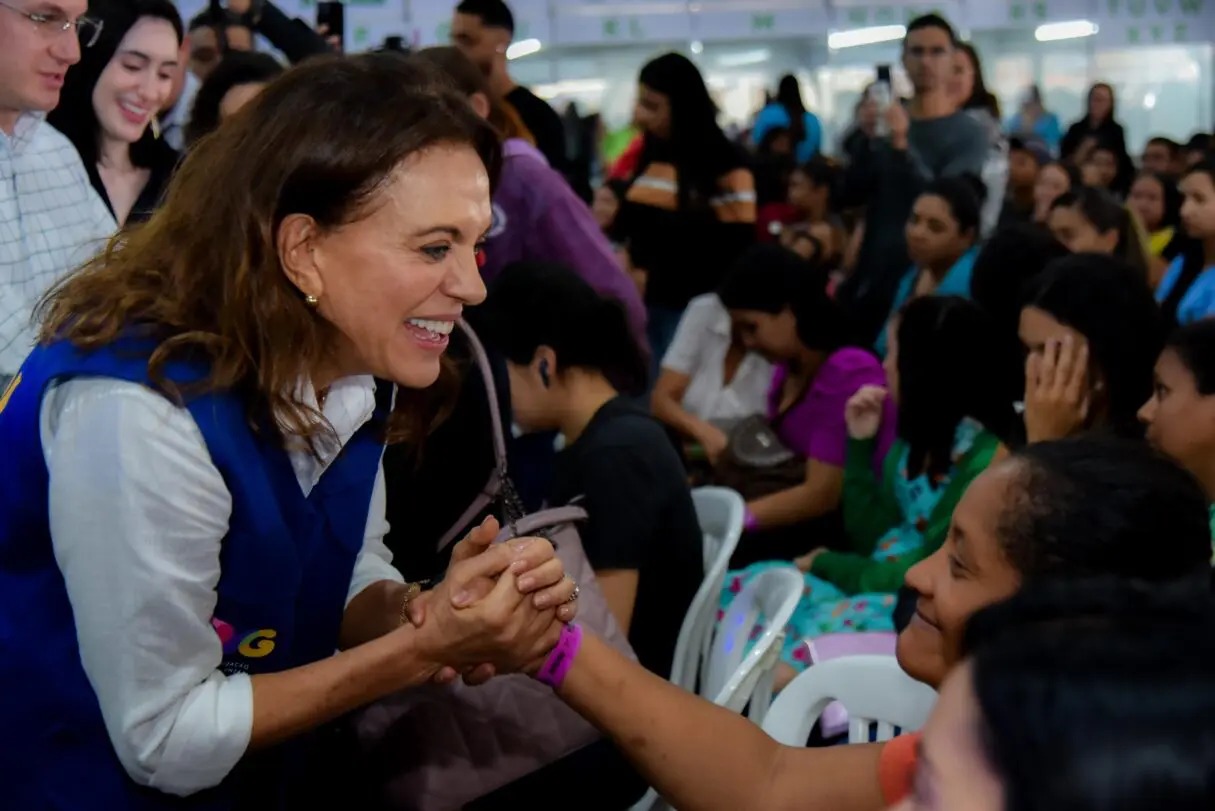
{"x": 690, "y": 210}
{"x": 1099, "y": 127}
{"x": 110, "y": 100}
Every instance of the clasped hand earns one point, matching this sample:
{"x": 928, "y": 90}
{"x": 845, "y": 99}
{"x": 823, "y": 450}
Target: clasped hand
{"x": 499, "y": 609}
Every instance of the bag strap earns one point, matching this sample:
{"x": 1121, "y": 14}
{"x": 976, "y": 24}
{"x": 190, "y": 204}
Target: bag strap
{"x": 531, "y": 524}
{"x": 498, "y": 478}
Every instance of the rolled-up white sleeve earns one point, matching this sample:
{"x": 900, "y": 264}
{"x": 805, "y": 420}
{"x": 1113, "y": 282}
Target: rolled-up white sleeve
{"x": 138, "y": 513}
{"x": 374, "y": 562}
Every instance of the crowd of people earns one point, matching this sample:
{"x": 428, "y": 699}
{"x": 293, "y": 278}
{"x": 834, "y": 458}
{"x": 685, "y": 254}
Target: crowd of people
{"x": 309, "y": 372}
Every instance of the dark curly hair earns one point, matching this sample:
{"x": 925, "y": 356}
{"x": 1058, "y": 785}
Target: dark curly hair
{"x": 1088, "y": 507}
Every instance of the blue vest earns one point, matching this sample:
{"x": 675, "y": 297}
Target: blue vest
{"x": 286, "y": 566}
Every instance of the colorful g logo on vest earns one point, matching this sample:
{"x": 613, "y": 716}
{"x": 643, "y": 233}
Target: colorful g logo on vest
{"x": 8, "y": 391}
{"x": 253, "y": 645}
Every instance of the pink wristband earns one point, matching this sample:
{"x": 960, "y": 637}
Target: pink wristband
{"x": 561, "y": 658}
{"x": 750, "y": 522}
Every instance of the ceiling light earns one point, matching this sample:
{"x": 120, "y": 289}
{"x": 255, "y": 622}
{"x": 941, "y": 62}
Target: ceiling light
{"x": 865, "y": 36}
{"x": 1073, "y": 29}
{"x": 524, "y": 47}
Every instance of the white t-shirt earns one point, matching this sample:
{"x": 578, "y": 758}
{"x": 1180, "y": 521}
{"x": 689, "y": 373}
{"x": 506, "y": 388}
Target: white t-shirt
{"x": 699, "y": 351}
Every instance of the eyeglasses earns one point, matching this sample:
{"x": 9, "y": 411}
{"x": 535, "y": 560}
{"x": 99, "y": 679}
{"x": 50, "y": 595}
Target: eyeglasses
{"x": 54, "y": 23}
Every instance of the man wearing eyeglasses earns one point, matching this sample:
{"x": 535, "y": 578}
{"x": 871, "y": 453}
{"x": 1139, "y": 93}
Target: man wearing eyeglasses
{"x": 51, "y": 220}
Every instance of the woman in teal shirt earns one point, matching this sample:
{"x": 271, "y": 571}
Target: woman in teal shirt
{"x": 942, "y": 241}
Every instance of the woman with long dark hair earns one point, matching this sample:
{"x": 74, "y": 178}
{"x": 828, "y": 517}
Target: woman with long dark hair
{"x": 969, "y": 89}
{"x": 1033, "y": 121}
{"x": 787, "y": 111}
{"x": 690, "y": 210}
{"x": 110, "y": 100}
{"x": 1092, "y": 333}
{"x": 781, "y": 309}
{"x": 1089, "y": 220}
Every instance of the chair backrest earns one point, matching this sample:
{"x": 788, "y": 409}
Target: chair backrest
{"x": 874, "y": 689}
{"x": 721, "y": 513}
{"x": 834, "y": 720}
{"x": 735, "y": 679}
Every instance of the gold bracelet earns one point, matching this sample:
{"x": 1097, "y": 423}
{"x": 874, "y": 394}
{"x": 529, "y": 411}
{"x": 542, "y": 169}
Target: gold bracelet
{"x": 412, "y": 590}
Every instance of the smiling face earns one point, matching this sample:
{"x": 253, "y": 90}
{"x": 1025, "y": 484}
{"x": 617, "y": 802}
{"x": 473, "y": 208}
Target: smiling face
{"x": 137, "y": 81}
{"x": 35, "y": 54}
{"x": 967, "y": 573}
{"x": 394, "y": 282}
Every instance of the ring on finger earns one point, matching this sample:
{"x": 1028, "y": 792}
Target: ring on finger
{"x": 574, "y": 595}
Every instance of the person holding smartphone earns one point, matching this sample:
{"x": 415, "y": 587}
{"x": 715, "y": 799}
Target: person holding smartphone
{"x": 927, "y": 138}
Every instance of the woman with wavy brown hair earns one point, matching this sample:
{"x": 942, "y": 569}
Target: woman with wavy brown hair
{"x": 191, "y": 506}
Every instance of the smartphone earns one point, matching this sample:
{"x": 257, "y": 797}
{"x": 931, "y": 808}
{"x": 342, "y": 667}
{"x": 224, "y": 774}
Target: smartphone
{"x": 882, "y": 94}
{"x": 332, "y": 15}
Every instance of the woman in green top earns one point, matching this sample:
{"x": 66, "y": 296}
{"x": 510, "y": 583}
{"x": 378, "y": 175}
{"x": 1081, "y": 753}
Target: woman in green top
{"x": 952, "y": 409}
{"x": 1180, "y": 416}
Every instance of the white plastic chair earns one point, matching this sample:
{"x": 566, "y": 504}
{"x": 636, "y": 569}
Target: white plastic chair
{"x": 735, "y": 680}
{"x": 874, "y": 689}
{"x": 721, "y": 513}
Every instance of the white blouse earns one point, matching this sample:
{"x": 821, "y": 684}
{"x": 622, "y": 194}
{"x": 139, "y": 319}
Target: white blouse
{"x": 699, "y": 351}
{"x": 138, "y": 513}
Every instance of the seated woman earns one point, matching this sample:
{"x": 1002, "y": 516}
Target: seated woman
{"x": 709, "y": 380}
{"x": 1180, "y": 416}
{"x": 1089, "y": 220}
{"x": 1055, "y": 179}
{"x": 781, "y": 309}
{"x": 572, "y": 366}
{"x": 1067, "y": 510}
{"x": 942, "y": 233}
{"x": 1099, "y": 685}
{"x": 1187, "y": 291}
{"x": 1092, "y": 333}
{"x": 110, "y": 100}
{"x": 952, "y": 408}
{"x": 1156, "y": 200}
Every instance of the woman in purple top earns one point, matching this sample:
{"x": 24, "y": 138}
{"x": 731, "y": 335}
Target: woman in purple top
{"x": 537, "y": 216}
{"x": 780, "y": 305}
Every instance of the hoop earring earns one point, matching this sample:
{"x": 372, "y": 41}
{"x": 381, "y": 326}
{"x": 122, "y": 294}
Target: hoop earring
{"x": 311, "y": 301}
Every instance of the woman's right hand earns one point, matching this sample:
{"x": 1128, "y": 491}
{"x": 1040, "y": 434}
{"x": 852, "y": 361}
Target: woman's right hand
{"x": 863, "y": 413}
{"x": 714, "y": 441}
{"x": 503, "y": 629}
{"x": 1056, "y": 390}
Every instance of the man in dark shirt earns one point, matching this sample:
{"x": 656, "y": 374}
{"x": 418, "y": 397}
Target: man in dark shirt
{"x": 483, "y": 30}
